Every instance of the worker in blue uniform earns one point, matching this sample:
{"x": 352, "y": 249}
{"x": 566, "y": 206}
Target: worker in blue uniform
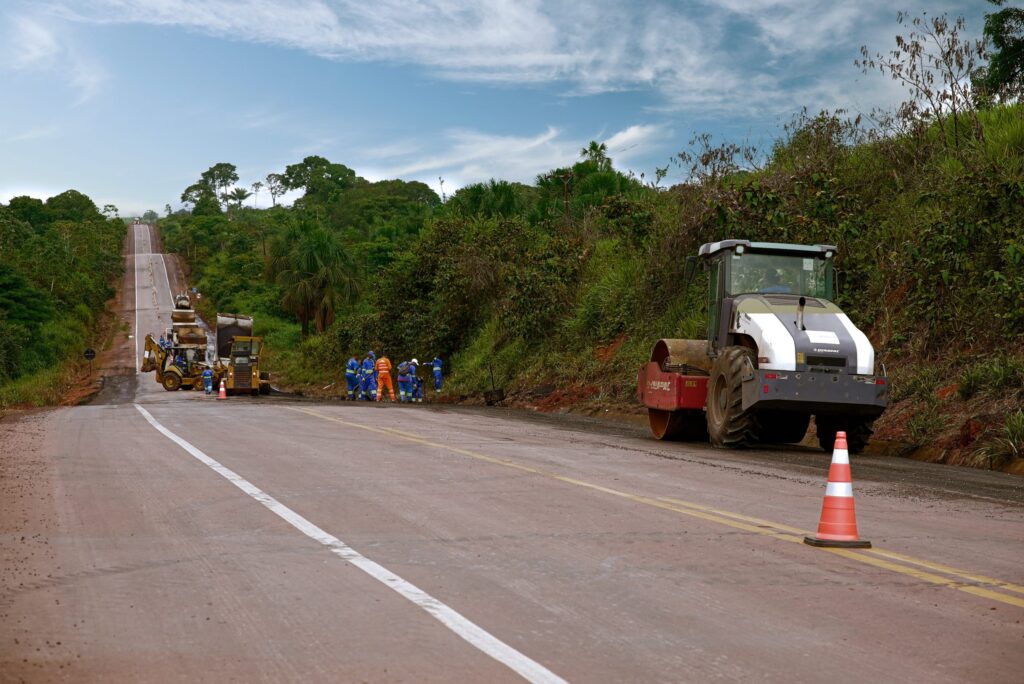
{"x": 368, "y": 384}
{"x": 415, "y": 384}
{"x": 404, "y": 388}
{"x": 352, "y": 377}
{"x": 436, "y": 364}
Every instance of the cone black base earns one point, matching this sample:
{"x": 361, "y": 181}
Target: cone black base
{"x": 833, "y": 543}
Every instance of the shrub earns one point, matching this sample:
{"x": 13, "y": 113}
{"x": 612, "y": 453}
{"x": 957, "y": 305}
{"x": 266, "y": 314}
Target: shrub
{"x": 991, "y": 374}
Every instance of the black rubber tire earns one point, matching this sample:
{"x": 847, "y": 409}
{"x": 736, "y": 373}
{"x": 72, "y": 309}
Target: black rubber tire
{"x": 783, "y": 427}
{"x": 171, "y": 382}
{"x": 858, "y": 431}
{"x": 685, "y": 426}
{"x": 729, "y": 426}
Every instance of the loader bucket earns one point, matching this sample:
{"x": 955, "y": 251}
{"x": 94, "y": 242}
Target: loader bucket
{"x": 152, "y": 355}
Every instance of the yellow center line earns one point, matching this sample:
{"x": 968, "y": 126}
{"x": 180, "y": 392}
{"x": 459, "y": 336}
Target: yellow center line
{"x": 735, "y": 520}
{"x": 885, "y": 553}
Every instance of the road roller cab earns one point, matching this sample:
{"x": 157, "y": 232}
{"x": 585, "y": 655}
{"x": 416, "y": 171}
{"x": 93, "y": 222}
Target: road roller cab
{"x": 777, "y": 352}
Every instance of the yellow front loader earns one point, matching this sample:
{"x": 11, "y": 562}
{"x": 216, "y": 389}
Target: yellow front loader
{"x": 177, "y": 368}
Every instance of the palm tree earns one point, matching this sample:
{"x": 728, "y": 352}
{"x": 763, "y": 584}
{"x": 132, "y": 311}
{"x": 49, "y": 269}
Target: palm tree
{"x": 316, "y": 273}
{"x": 256, "y": 187}
{"x": 238, "y": 195}
{"x": 597, "y": 153}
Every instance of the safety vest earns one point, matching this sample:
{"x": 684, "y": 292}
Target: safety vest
{"x": 383, "y": 365}
{"x": 437, "y": 365}
{"x": 353, "y": 367}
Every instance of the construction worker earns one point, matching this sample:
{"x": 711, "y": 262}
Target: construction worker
{"x": 384, "y": 377}
{"x": 352, "y": 377}
{"x": 415, "y": 383}
{"x": 404, "y": 389}
{"x": 208, "y": 380}
{"x": 368, "y": 384}
{"x": 436, "y": 364}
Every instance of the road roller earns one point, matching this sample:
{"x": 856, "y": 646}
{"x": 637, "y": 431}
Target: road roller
{"x": 778, "y": 351}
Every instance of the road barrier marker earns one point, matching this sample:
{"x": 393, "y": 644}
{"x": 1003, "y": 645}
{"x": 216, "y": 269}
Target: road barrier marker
{"x": 470, "y": 632}
{"x": 749, "y": 524}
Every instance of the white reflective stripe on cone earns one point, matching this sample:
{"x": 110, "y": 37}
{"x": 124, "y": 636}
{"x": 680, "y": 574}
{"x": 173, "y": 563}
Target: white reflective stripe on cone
{"x": 840, "y": 456}
{"x": 839, "y": 489}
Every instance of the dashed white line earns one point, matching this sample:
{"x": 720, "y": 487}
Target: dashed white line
{"x": 477, "y": 637}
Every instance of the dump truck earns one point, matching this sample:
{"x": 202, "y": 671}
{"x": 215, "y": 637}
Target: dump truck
{"x": 239, "y": 355}
{"x": 777, "y": 352}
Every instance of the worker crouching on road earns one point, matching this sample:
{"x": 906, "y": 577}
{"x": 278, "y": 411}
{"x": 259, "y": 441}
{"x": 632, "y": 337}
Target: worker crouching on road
{"x": 404, "y": 388}
{"x": 384, "y": 377}
{"x": 352, "y": 377}
{"x": 367, "y": 381}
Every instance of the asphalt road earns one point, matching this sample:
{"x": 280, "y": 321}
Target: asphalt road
{"x": 174, "y": 536}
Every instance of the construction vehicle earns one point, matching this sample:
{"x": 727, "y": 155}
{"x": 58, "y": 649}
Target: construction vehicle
{"x": 777, "y": 352}
{"x": 239, "y": 355}
{"x": 181, "y": 363}
{"x": 176, "y": 367}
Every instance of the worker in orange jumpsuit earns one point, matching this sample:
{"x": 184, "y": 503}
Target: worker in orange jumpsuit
{"x": 384, "y": 377}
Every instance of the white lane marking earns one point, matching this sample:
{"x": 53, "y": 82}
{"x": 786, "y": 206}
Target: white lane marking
{"x": 528, "y": 669}
{"x": 135, "y": 267}
{"x": 167, "y": 280}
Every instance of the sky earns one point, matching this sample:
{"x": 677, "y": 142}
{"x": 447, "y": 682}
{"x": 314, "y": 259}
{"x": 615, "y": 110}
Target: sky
{"x": 129, "y": 101}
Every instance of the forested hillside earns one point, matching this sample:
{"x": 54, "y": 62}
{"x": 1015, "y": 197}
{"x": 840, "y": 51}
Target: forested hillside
{"x": 58, "y": 259}
{"x": 569, "y": 281}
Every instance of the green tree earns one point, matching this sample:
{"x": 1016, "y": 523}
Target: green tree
{"x": 20, "y": 302}
{"x": 238, "y": 195}
{"x": 72, "y": 205}
{"x": 256, "y": 187}
{"x": 315, "y": 274}
{"x": 220, "y": 177}
{"x": 598, "y": 154}
{"x": 320, "y": 178}
{"x": 276, "y": 187}
{"x": 150, "y": 216}
{"x": 30, "y": 210}
{"x": 1004, "y": 76}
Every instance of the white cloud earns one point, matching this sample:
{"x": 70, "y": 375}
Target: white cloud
{"x": 33, "y": 133}
{"x": 39, "y": 44}
{"x": 700, "y": 55}
{"x": 471, "y": 156}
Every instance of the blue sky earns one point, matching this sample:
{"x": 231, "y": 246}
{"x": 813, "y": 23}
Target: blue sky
{"x": 130, "y": 100}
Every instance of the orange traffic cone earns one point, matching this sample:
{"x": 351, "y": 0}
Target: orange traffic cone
{"x": 223, "y": 394}
{"x": 838, "y": 525}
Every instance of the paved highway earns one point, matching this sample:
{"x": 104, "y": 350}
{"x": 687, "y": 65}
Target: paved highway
{"x": 174, "y": 536}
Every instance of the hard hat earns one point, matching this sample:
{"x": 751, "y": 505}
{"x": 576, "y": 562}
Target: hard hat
{"x": 416, "y": 361}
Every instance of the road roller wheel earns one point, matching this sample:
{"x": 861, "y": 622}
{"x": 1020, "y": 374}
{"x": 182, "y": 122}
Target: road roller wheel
{"x": 689, "y": 426}
{"x": 729, "y": 426}
{"x": 858, "y": 432}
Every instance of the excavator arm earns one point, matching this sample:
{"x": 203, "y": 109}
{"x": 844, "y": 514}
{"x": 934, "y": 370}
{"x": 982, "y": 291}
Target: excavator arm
{"x": 153, "y": 356}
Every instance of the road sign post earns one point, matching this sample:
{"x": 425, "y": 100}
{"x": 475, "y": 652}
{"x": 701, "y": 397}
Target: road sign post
{"x": 90, "y": 354}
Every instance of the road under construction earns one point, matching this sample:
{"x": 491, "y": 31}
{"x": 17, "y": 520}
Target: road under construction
{"x": 157, "y": 535}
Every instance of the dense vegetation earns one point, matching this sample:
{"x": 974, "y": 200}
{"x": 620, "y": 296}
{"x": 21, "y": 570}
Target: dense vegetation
{"x": 58, "y": 259}
{"x": 568, "y": 281}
